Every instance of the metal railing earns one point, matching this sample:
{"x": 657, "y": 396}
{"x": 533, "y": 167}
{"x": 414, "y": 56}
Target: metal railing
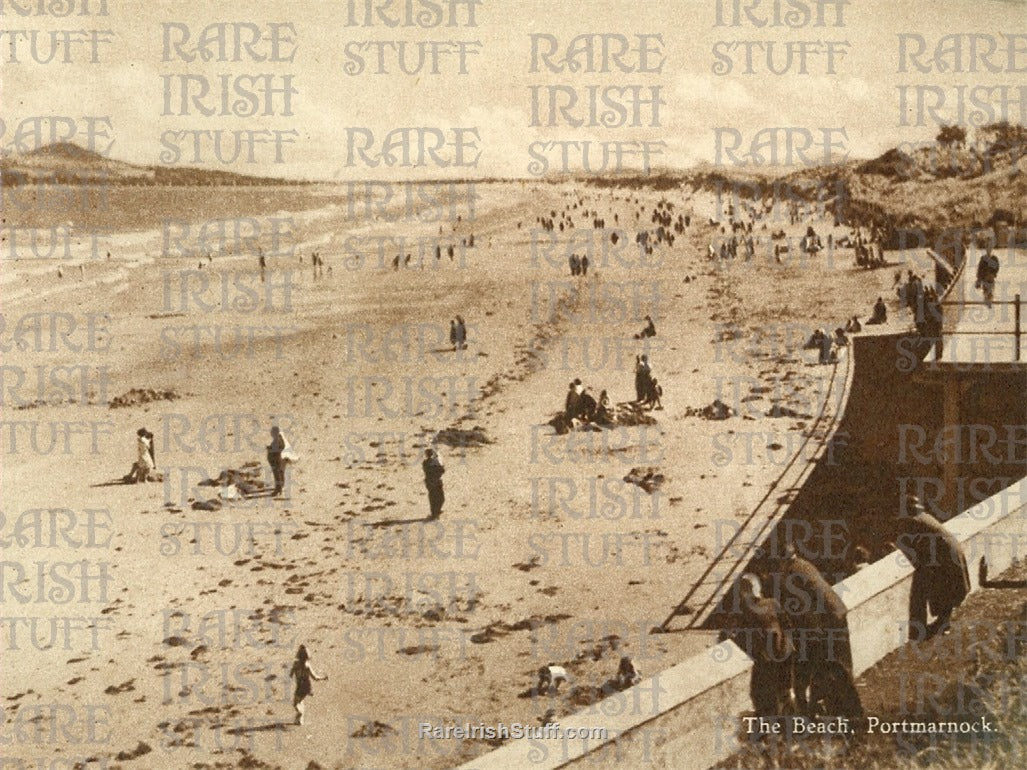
{"x": 1016, "y": 332}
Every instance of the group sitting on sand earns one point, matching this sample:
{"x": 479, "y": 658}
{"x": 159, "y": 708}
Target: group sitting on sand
{"x": 551, "y": 676}
{"x": 580, "y": 406}
{"x": 279, "y": 454}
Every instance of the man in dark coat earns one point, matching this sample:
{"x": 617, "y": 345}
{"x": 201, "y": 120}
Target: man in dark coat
{"x": 815, "y": 616}
{"x": 572, "y": 404}
{"x": 433, "y": 470}
{"x": 941, "y": 579}
{"x": 642, "y": 375}
{"x": 760, "y": 634}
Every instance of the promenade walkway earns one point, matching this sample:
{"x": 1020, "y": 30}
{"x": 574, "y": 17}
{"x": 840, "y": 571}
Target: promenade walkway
{"x": 977, "y": 332}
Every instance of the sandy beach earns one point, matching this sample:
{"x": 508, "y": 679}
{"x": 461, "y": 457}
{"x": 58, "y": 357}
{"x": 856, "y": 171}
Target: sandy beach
{"x": 182, "y": 635}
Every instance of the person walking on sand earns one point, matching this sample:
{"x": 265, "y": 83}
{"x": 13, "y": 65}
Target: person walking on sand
{"x": 452, "y": 334}
{"x": 643, "y": 373}
{"x": 304, "y": 674}
{"x": 433, "y": 470}
{"x": 461, "y": 332}
{"x": 278, "y": 445}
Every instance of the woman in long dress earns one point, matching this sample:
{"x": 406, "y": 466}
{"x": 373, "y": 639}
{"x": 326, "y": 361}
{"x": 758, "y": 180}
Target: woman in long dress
{"x": 144, "y": 461}
{"x": 304, "y": 674}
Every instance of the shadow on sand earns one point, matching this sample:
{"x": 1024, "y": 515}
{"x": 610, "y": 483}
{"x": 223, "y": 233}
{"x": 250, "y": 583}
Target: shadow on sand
{"x": 400, "y": 522}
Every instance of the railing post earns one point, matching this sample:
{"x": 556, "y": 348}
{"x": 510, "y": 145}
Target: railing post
{"x": 1016, "y": 332}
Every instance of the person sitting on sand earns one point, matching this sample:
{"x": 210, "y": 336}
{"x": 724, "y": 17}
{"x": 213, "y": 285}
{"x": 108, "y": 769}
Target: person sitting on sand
{"x": 653, "y": 394}
{"x": 648, "y": 331}
{"x": 550, "y": 677}
{"x": 628, "y": 674}
{"x": 304, "y": 674}
{"x": 603, "y": 414}
{"x": 880, "y": 314}
{"x": 587, "y": 406}
{"x": 853, "y": 326}
{"x": 143, "y": 468}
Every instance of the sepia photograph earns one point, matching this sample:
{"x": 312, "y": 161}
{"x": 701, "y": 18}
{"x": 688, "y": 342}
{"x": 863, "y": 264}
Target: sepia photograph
{"x": 513, "y": 384}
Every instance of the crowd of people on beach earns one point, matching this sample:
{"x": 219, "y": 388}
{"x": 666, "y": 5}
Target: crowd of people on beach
{"x": 869, "y": 250}
{"x": 801, "y": 651}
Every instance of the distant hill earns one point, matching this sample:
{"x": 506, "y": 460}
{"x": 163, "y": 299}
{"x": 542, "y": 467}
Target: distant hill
{"x": 70, "y": 164}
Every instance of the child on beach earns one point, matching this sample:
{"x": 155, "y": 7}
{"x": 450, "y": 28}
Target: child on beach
{"x": 304, "y": 674}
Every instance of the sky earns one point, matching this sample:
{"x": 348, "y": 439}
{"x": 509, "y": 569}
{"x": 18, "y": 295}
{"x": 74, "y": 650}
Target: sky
{"x": 484, "y": 115}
